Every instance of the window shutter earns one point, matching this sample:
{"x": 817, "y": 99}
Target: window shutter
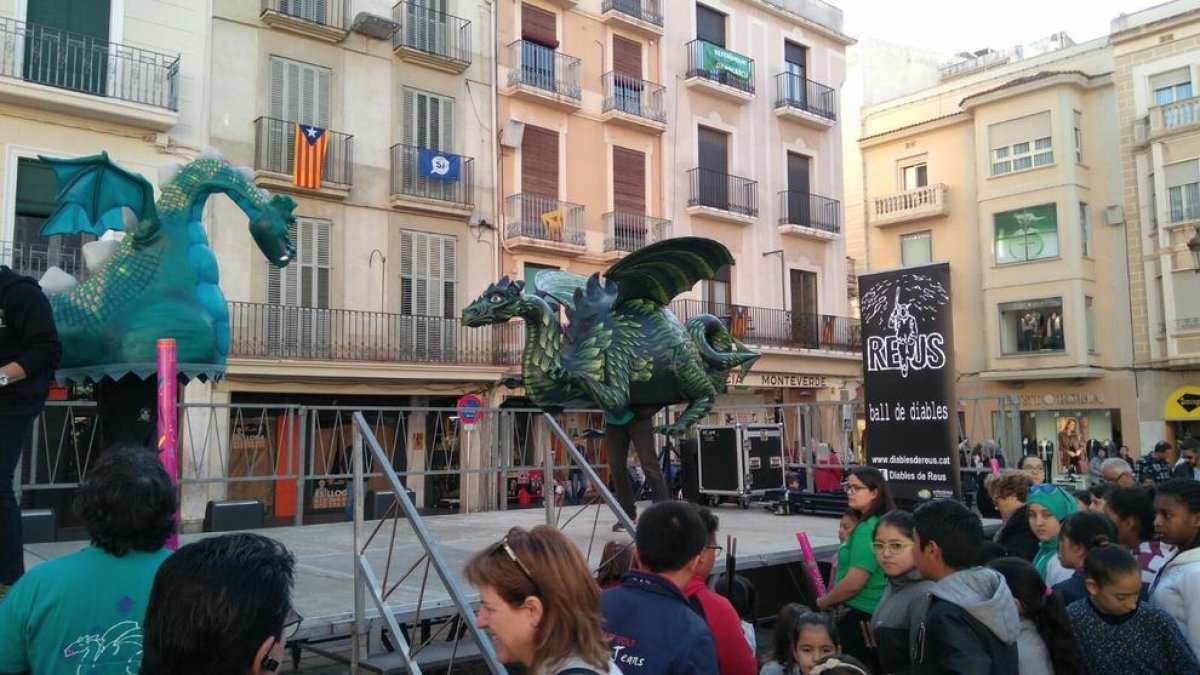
{"x": 629, "y": 181}
{"x": 449, "y": 277}
{"x": 795, "y": 54}
{"x": 324, "y": 97}
{"x": 627, "y": 57}
{"x": 1171, "y": 79}
{"x": 538, "y": 25}
{"x": 710, "y": 25}
{"x": 278, "y": 93}
{"x": 292, "y": 93}
{"x": 1028, "y": 128}
{"x": 410, "y": 116}
{"x": 1182, "y": 173}
{"x": 447, "y": 120}
{"x": 406, "y": 272}
{"x": 539, "y": 162}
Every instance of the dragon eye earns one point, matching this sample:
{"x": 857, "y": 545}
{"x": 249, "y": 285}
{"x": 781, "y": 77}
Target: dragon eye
{"x": 497, "y": 299}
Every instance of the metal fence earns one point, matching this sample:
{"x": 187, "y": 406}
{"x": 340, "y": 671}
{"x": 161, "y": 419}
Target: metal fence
{"x": 719, "y": 190}
{"x": 32, "y": 259}
{"x": 546, "y": 219}
{"x": 633, "y": 95}
{"x": 649, "y": 11}
{"x": 809, "y": 210}
{"x": 630, "y": 231}
{"x": 722, "y": 66}
{"x": 792, "y": 90}
{"x": 428, "y": 30}
{"x": 332, "y": 13}
{"x": 770, "y": 327}
{"x": 411, "y": 179}
{"x": 275, "y": 148}
{"x": 543, "y": 68}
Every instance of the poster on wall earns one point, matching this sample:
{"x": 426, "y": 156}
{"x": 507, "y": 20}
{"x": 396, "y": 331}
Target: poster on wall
{"x": 908, "y": 367}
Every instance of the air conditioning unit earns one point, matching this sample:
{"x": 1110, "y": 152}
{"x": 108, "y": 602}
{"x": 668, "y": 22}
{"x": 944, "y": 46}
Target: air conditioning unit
{"x": 1114, "y": 214}
{"x": 513, "y": 134}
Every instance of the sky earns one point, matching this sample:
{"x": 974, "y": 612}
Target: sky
{"x": 952, "y": 26}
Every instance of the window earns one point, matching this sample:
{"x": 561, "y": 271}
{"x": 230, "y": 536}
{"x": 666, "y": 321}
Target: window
{"x": 1078, "y": 137}
{"x": 299, "y": 294}
{"x": 710, "y": 25}
{"x": 1183, "y": 190}
{"x": 914, "y": 176}
{"x": 1021, "y": 144}
{"x": 531, "y": 272}
{"x": 715, "y": 293}
{"x": 29, "y": 253}
{"x": 916, "y": 248}
{"x": 806, "y": 324}
{"x": 425, "y": 26}
{"x": 300, "y": 93}
{"x": 313, "y": 10}
{"x": 795, "y": 64}
{"x": 1032, "y": 326}
{"x": 1089, "y": 317}
{"x": 1026, "y": 234}
{"x": 1172, "y": 86}
{"x": 78, "y": 61}
{"x": 428, "y": 123}
{"x": 1085, "y": 231}
{"x": 428, "y": 274}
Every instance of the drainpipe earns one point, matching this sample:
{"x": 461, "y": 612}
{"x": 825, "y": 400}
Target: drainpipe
{"x": 497, "y": 214}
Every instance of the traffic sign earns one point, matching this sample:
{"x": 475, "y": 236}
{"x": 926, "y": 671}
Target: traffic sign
{"x": 470, "y": 411}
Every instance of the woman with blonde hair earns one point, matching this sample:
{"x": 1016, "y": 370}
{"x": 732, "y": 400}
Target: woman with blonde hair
{"x": 540, "y": 604}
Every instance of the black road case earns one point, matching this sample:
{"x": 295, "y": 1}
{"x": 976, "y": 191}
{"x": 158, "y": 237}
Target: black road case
{"x": 739, "y": 460}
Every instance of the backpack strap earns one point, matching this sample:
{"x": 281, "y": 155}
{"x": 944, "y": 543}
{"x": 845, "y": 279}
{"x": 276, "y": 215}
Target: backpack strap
{"x": 694, "y": 601}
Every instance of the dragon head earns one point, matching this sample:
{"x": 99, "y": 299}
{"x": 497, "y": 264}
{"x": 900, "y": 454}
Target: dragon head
{"x": 499, "y": 303}
{"x": 270, "y": 230}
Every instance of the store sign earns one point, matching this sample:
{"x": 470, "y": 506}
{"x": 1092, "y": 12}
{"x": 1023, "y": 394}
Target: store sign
{"x": 1060, "y": 400}
{"x": 719, "y": 58}
{"x": 908, "y": 380}
{"x": 1182, "y": 405}
{"x": 780, "y": 380}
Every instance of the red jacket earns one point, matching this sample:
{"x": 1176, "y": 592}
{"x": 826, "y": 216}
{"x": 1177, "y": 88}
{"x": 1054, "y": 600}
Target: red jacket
{"x": 733, "y": 652}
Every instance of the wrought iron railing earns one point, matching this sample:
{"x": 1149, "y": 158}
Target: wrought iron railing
{"x": 32, "y": 259}
{"x": 649, "y": 11}
{"x": 540, "y": 67}
{"x": 794, "y": 91}
{"x": 332, "y": 13}
{"x": 429, "y": 177}
{"x": 275, "y": 146}
{"x": 768, "y": 327}
{"x": 809, "y": 210}
{"x": 630, "y": 231}
{"x": 722, "y": 191}
{"x": 305, "y": 333}
{"x": 723, "y": 66}
{"x": 545, "y": 219}
{"x": 81, "y": 63}
{"x": 428, "y": 30}
{"x": 635, "y": 96}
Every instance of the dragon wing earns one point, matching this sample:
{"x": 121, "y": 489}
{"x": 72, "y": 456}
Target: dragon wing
{"x": 93, "y": 193}
{"x": 560, "y": 286}
{"x": 664, "y": 269}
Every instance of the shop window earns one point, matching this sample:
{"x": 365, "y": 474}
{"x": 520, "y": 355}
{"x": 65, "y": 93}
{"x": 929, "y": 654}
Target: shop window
{"x": 1032, "y": 326}
{"x": 1026, "y": 234}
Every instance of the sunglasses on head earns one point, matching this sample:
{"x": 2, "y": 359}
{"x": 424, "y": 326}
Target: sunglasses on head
{"x": 502, "y": 545}
{"x": 1044, "y": 488}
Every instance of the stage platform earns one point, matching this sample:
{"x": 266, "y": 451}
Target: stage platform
{"x": 324, "y": 593}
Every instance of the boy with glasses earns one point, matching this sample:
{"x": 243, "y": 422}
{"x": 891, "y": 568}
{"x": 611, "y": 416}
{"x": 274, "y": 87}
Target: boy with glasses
{"x": 733, "y": 652}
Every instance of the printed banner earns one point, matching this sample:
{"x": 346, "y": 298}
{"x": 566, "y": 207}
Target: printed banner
{"x": 439, "y": 165}
{"x": 719, "y": 58}
{"x": 908, "y": 359}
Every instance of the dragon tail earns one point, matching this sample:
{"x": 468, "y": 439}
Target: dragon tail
{"x": 717, "y": 347}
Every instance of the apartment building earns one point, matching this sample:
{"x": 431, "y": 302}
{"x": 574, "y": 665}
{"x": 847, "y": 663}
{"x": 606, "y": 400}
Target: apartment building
{"x": 754, "y": 136}
{"x": 1007, "y": 169}
{"x": 1156, "y": 54}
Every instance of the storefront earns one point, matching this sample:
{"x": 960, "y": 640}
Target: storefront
{"x": 1181, "y": 412}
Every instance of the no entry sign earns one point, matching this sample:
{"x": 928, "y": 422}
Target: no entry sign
{"x": 470, "y": 411}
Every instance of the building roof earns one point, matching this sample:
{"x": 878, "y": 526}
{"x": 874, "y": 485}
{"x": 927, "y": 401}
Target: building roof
{"x": 1026, "y": 80}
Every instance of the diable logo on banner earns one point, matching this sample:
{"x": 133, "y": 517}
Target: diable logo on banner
{"x": 908, "y": 360}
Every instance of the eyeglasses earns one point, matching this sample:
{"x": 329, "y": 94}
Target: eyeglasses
{"x": 890, "y": 547}
{"x": 1035, "y": 469}
{"x": 851, "y": 488}
{"x": 717, "y": 548}
{"x": 291, "y": 624}
{"x": 1044, "y": 488}
{"x": 512, "y": 555}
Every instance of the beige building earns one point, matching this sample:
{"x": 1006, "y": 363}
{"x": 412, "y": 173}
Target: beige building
{"x": 1157, "y": 61}
{"x": 1007, "y": 169}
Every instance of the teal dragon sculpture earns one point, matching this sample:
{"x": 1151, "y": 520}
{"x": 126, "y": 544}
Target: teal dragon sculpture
{"x": 162, "y": 280}
{"x": 622, "y": 348}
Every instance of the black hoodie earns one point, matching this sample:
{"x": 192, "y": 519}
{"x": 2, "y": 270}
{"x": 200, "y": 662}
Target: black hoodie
{"x": 28, "y": 337}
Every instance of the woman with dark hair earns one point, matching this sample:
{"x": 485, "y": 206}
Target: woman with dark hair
{"x": 860, "y": 580}
{"x": 1081, "y": 532}
{"x": 902, "y": 609}
{"x": 539, "y": 603}
{"x": 1132, "y": 512}
{"x": 615, "y": 561}
{"x": 1047, "y": 644}
{"x": 1009, "y": 490}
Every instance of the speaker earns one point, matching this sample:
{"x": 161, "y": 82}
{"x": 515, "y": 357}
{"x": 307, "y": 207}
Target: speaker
{"x": 513, "y": 134}
{"x": 39, "y": 526}
{"x": 243, "y": 514}
{"x": 378, "y": 503}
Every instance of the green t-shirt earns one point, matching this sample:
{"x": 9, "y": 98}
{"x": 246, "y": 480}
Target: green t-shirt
{"x": 857, "y": 552}
{"x": 82, "y": 613}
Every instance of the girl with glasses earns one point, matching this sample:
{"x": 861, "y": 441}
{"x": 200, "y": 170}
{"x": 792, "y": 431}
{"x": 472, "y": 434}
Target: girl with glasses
{"x": 902, "y": 608}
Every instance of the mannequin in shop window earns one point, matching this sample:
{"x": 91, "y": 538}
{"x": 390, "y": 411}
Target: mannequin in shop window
{"x": 1055, "y": 331}
{"x": 1071, "y": 454}
{"x": 1039, "y": 331}
{"x": 1027, "y": 326}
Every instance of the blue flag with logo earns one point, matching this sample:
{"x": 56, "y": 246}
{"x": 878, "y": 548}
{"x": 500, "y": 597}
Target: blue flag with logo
{"x": 438, "y": 165}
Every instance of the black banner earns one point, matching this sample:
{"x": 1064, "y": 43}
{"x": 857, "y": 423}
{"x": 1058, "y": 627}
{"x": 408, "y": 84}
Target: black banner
{"x": 908, "y": 358}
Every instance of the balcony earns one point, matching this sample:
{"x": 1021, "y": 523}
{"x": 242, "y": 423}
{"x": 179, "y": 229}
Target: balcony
{"x": 720, "y": 72}
{"x": 428, "y": 181}
{"x": 627, "y": 232}
{"x": 431, "y": 38}
{"x": 32, "y": 259}
{"x": 810, "y": 216}
{"x": 765, "y": 327}
{"x": 326, "y": 20}
{"x": 1168, "y": 120}
{"x": 720, "y": 196}
{"x": 641, "y": 16}
{"x": 261, "y": 331}
{"x": 924, "y": 202}
{"x": 634, "y": 102}
{"x": 56, "y": 70}
{"x": 802, "y": 100}
{"x": 544, "y": 225}
{"x": 542, "y": 74}
{"x": 274, "y": 158}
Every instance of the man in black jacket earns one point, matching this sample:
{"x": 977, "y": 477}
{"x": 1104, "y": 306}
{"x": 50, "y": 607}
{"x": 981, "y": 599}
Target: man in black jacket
{"x": 971, "y": 625}
{"x": 29, "y": 352}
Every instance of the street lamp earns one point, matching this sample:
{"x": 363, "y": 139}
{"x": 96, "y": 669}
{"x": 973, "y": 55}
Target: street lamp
{"x": 1194, "y": 246}
{"x": 383, "y": 281}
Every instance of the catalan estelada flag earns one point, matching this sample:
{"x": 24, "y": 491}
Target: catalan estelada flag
{"x": 309, "y": 157}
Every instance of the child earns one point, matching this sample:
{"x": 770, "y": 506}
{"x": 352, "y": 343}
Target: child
{"x": 850, "y": 519}
{"x": 801, "y": 641}
{"x": 1118, "y": 634}
{"x": 1048, "y": 505}
{"x": 615, "y": 561}
{"x": 1047, "y": 645}
{"x": 1081, "y": 532}
{"x": 1132, "y": 511}
{"x": 743, "y": 598}
{"x": 840, "y": 664}
{"x": 1100, "y": 495}
{"x": 1177, "y": 589}
{"x": 902, "y": 608}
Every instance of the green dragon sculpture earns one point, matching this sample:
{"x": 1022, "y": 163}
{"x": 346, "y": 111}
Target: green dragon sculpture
{"x": 622, "y": 348}
{"x": 162, "y": 281}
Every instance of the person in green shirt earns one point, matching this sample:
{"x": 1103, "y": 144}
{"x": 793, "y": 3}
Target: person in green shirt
{"x": 860, "y": 581}
{"x": 83, "y": 613}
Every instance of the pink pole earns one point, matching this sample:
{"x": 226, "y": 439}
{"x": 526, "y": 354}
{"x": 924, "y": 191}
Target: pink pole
{"x": 810, "y": 562}
{"x": 168, "y": 441}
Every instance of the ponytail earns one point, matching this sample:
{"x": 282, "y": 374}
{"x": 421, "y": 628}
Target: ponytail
{"x": 1047, "y": 612}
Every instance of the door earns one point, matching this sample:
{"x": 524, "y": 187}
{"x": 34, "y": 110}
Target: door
{"x": 629, "y": 199}
{"x": 710, "y": 25}
{"x": 539, "y": 33}
{"x": 425, "y": 26}
{"x": 539, "y": 181}
{"x": 627, "y": 75}
{"x": 298, "y": 295}
{"x": 300, "y": 93}
{"x": 428, "y": 123}
{"x": 805, "y": 319}
{"x": 795, "y": 65}
{"x": 711, "y": 184}
{"x": 428, "y": 271}
{"x": 798, "y": 202}
{"x": 67, "y": 44}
